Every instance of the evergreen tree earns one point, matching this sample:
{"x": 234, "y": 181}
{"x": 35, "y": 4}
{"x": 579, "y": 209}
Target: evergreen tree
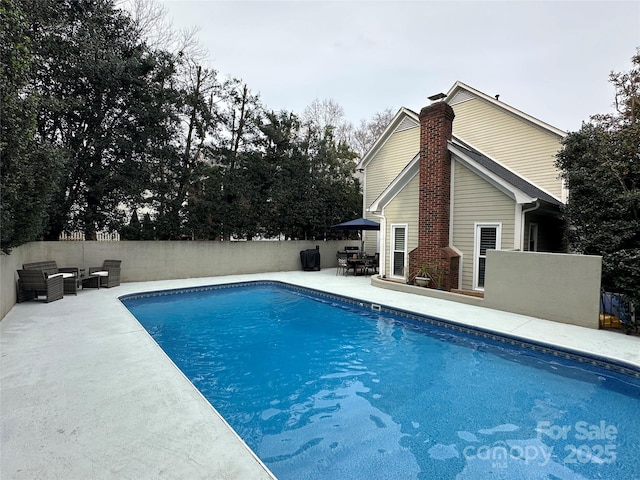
{"x": 100, "y": 105}
{"x": 29, "y": 166}
{"x": 133, "y": 231}
{"x": 601, "y": 166}
{"x": 96, "y": 125}
{"x": 313, "y": 184}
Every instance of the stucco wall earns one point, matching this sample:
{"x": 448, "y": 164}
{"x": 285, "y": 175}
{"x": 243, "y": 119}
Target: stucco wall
{"x": 146, "y": 261}
{"x": 8, "y": 266}
{"x": 559, "y": 287}
{"x": 553, "y": 286}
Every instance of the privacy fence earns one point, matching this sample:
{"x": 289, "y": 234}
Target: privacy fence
{"x": 157, "y": 260}
{"x": 559, "y": 287}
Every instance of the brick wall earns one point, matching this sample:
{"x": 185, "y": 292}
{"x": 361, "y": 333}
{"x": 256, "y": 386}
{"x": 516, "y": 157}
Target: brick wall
{"x": 436, "y": 125}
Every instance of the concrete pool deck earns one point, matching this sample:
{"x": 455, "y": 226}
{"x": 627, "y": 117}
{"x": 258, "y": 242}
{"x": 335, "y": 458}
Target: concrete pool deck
{"x": 86, "y": 393}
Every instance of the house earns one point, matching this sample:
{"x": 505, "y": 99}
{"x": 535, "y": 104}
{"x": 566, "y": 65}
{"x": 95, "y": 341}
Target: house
{"x": 467, "y": 174}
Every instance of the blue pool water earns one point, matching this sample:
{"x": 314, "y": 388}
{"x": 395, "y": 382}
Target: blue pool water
{"x": 325, "y": 389}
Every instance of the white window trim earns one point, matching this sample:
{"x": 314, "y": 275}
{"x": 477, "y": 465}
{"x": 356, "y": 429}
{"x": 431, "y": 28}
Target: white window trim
{"x": 392, "y": 245}
{"x": 476, "y": 247}
{"x": 518, "y": 229}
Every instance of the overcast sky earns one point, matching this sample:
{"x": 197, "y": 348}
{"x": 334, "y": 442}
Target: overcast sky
{"x": 549, "y": 59}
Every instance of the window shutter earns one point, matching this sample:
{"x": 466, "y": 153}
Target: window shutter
{"x": 487, "y": 239}
{"x": 399, "y": 236}
{"x": 399, "y": 239}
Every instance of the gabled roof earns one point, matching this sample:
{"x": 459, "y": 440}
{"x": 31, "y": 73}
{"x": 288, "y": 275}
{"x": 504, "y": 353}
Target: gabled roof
{"x": 403, "y": 117}
{"x": 502, "y": 178}
{"x": 458, "y": 86}
{"x": 509, "y": 182}
{"x": 406, "y": 115}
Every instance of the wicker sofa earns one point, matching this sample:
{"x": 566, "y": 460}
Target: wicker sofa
{"x": 50, "y": 268}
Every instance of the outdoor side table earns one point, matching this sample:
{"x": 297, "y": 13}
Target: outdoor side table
{"x": 91, "y": 281}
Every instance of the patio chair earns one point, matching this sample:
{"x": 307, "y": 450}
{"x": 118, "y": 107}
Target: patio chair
{"x": 341, "y": 257}
{"x": 109, "y": 273}
{"x": 371, "y": 263}
{"x": 36, "y": 282}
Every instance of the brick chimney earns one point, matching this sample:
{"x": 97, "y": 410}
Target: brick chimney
{"x": 436, "y": 125}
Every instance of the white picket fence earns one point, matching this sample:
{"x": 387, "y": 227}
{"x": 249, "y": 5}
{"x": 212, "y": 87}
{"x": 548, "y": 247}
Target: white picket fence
{"x": 101, "y": 236}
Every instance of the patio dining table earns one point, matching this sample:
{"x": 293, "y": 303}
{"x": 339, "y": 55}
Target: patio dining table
{"x": 355, "y": 264}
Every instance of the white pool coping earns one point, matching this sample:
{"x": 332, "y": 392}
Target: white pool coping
{"x": 86, "y": 393}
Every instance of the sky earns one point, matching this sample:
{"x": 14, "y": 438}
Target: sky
{"x": 549, "y": 59}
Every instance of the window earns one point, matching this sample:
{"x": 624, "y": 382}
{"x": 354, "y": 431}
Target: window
{"x": 487, "y": 237}
{"x": 533, "y": 237}
{"x": 398, "y": 250}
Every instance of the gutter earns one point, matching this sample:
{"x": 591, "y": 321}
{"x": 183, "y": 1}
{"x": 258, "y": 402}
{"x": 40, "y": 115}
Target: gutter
{"x": 524, "y": 212}
{"x": 383, "y": 244}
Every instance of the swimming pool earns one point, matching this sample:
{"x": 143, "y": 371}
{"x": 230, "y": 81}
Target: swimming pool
{"x": 321, "y": 386}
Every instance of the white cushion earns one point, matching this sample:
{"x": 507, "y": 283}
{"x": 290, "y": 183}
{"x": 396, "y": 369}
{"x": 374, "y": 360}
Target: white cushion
{"x": 101, "y": 273}
{"x": 66, "y": 275}
{"x": 56, "y": 275}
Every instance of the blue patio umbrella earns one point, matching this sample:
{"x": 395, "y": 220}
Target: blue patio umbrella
{"x": 358, "y": 224}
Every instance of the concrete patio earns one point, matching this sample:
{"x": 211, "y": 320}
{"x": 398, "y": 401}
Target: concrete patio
{"x": 86, "y": 393}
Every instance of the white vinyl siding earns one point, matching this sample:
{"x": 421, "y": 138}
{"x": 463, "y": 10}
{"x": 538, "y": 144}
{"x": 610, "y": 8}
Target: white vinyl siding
{"x": 403, "y": 209}
{"x": 521, "y": 146}
{"x": 394, "y": 155}
{"x": 372, "y": 239}
{"x": 477, "y": 201}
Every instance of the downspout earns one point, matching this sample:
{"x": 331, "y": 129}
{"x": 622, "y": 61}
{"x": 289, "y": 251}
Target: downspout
{"x": 383, "y": 247}
{"x": 524, "y": 212}
{"x": 362, "y": 175}
{"x": 452, "y": 183}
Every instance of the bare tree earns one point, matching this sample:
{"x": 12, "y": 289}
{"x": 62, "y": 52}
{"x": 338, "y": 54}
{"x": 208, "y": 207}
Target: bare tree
{"x": 369, "y": 130}
{"x": 154, "y": 26}
{"x": 327, "y": 113}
